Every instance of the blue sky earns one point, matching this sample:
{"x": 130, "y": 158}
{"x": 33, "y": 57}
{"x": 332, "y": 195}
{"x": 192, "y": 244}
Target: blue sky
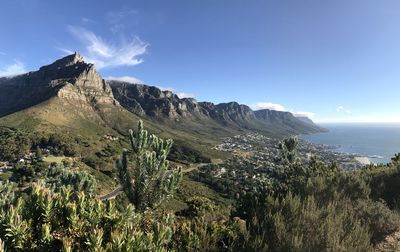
{"x": 337, "y": 60}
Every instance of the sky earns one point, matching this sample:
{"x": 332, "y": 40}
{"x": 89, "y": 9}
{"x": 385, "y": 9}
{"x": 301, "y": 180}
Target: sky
{"x": 332, "y": 60}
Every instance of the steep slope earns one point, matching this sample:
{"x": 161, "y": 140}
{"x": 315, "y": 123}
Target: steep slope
{"x": 153, "y": 102}
{"x": 286, "y": 121}
{"x": 165, "y": 106}
{"x": 69, "y": 78}
{"x": 305, "y": 119}
{"x": 70, "y": 96}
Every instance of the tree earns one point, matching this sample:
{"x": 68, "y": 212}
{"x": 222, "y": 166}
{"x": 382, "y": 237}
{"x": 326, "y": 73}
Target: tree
{"x": 396, "y": 159}
{"x": 148, "y": 180}
{"x": 288, "y": 149}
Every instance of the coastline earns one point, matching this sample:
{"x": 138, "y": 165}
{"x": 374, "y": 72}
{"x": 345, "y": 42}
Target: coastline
{"x": 378, "y": 142}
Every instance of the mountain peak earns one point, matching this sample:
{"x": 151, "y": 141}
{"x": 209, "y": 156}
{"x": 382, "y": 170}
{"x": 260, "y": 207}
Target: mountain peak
{"x": 69, "y": 60}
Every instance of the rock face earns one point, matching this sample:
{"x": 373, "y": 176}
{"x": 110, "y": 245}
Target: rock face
{"x": 152, "y": 102}
{"x": 79, "y": 88}
{"x": 69, "y": 78}
{"x": 231, "y": 113}
{"x": 286, "y": 120}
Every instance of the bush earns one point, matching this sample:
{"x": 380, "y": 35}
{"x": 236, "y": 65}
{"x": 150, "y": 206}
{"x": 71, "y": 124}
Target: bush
{"x": 384, "y": 182}
{"x": 45, "y": 220}
{"x": 296, "y": 224}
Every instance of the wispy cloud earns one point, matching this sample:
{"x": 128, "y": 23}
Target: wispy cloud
{"x": 341, "y": 109}
{"x": 86, "y": 20}
{"x": 119, "y": 20}
{"x": 2, "y": 53}
{"x": 108, "y": 53}
{"x": 129, "y": 79}
{"x": 13, "y": 69}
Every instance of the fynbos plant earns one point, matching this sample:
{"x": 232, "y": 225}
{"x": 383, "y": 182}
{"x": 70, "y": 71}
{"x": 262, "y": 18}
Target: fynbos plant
{"x": 147, "y": 180}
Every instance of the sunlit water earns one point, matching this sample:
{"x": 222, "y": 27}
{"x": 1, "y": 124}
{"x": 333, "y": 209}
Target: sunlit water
{"x": 379, "y": 142}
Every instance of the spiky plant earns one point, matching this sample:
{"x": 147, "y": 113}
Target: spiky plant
{"x": 147, "y": 180}
{"x": 288, "y": 150}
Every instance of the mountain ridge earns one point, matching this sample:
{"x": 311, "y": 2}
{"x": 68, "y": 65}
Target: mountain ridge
{"x": 145, "y": 100}
{"x": 79, "y": 93}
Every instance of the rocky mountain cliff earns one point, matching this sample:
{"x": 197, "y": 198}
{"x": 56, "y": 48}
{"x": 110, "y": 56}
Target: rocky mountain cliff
{"x": 79, "y": 95}
{"x": 69, "y": 78}
{"x": 153, "y": 102}
{"x": 150, "y": 101}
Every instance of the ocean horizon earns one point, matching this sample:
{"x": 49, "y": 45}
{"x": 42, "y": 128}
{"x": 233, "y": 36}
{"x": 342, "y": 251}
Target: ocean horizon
{"x": 377, "y": 141}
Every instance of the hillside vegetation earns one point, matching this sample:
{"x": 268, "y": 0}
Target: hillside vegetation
{"x": 299, "y": 207}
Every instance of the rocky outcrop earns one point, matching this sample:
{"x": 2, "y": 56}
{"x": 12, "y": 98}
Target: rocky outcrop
{"x": 230, "y": 113}
{"x": 68, "y": 78}
{"x": 153, "y": 102}
{"x": 79, "y": 87}
{"x": 150, "y": 101}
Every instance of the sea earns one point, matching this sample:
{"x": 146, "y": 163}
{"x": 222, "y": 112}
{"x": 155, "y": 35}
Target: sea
{"x": 378, "y": 142}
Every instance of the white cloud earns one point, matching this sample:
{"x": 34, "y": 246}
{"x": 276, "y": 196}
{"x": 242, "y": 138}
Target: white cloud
{"x": 268, "y": 105}
{"x": 279, "y": 107}
{"x": 86, "y": 20}
{"x": 166, "y": 88}
{"x": 341, "y": 109}
{"x": 304, "y": 114}
{"x": 108, "y": 54}
{"x": 179, "y": 94}
{"x": 129, "y": 79}
{"x": 184, "y": 95}
{"x": 2, "y": 53}
{"x": 120, "y": 20}
{"x": 14, "y": 69}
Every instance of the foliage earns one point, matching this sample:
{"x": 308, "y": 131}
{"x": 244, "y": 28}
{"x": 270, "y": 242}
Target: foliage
{"x": 301, "y": 224}
{"x": 70, "y": 220}
{"x": 288, "y": 148}
{"x": 318, "y": 207}
{"x": 396, "y": 159}
{"x": 198, "y": 207}
{"x": 200, "y": 235}
{"x": 28, "y": 171}
{"x": 184, "y": 153}
{"x": 14, "y": 144}
{"x": 58, "y": 176}
{"x": 150, "y": 180}
{"x": 384, "y": 182}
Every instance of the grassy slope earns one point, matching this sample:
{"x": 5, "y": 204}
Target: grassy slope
{"x": 59, "y": 116}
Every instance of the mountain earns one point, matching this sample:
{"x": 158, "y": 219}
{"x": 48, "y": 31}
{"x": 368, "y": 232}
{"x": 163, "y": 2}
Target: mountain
{"x": 305, "y": 119}
{"x": 71, "y": 97}
{"x": 286, "y": 121}
{"x": 154, "y": 103}
{"x": 69, "y": 78}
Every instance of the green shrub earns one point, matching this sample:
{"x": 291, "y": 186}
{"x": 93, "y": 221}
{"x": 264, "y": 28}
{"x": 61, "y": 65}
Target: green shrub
{"x": 296, "y": 224}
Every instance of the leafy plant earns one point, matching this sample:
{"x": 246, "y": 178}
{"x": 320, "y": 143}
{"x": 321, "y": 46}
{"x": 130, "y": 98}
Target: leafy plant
{"x": 149, "y": 180}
